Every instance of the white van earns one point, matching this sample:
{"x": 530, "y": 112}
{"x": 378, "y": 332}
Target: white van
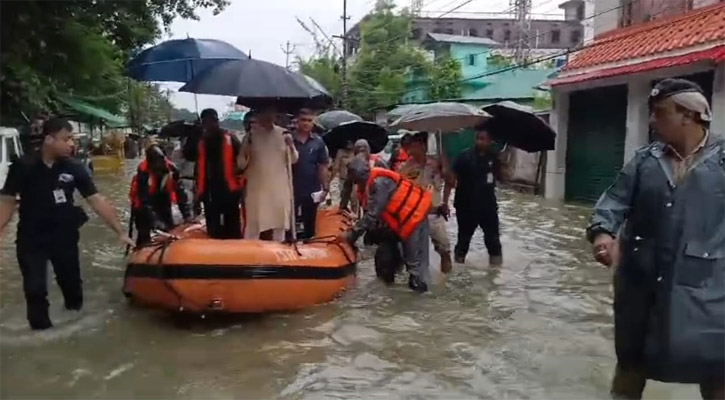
{"x": 9, "y": 149}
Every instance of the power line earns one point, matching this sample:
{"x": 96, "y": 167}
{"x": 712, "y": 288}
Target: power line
{"x": 557, "y": 55}
{"x": 465, "y": 3}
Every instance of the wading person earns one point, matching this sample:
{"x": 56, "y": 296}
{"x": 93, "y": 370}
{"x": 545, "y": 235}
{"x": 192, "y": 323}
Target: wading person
{"x": 400, "y": 155}
{"x": 476, "y": 171}
{"x": 427, "y": 172}
{"x": 49, "y": 221}
{"x": 217, "y": 184}
{"x": 310, "y": 172}
{"x": 403, "y": 207}
{"x": 268, "y": 152}
{"x": 339, "y": 169}
{"x": 667, "y": 210}
{"x": 154, "y": 189}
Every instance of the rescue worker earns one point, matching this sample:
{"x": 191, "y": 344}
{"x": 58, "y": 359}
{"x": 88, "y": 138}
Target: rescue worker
{"x": 667, "y": 211}
{"x": 403, "y": 207}
{"x": 400, "y": 155}
{"x": 154, "y": 189}
{"x": 476, "y": 171}
{"x": 361, "y": 150}
{"x": 48, "y": 227}
{"x": 428, "y": 172}
{"x": 217, "y": 184}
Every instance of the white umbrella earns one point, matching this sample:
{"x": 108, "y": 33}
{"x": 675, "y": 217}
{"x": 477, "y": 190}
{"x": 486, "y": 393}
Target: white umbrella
{"x": 443, "y": 117}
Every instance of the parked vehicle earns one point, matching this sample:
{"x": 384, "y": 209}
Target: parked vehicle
{"x": 10, "y": 150}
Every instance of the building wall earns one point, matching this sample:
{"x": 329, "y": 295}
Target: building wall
{"x": 606, "y": 20}
{"x": 473, "y": 59}
{"x": 543, "y": 32}
{"x": 639, "y": 86}
{"x": 627, "y": 13}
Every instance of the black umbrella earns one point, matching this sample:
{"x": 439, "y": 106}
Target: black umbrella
{"x": 179, "y": 129}
{"x": 259, "y": 84}
{"x": 343, "y": 126}
{"x": 517, "y": 125}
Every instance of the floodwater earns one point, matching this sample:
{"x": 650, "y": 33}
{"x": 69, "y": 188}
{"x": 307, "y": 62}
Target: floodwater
{"x": 540, "y": 327}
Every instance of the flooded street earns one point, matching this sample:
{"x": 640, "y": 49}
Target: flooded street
{"x": 540, "y": 327}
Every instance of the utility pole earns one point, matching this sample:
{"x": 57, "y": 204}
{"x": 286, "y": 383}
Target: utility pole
{"x": 522, "y": 10}
{"x": 288, "y": 50}
{"x": 416, "y": 6}
{"x": 344, "y": 53}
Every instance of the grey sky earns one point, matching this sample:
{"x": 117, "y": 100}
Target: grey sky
{"x": 262, "y": 27}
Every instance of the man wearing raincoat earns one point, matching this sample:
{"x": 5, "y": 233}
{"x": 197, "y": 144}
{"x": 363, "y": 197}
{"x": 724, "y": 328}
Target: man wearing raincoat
{"x": 667, "y": 212}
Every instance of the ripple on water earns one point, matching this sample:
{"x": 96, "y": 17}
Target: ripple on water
{"x": 539, "y": 327}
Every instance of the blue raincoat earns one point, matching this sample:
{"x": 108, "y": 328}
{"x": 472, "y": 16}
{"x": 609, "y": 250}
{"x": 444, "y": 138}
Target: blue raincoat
{"x": 669, "y": 301}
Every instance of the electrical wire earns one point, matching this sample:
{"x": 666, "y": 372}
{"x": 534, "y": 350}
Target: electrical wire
{"x": 550, "y": 57}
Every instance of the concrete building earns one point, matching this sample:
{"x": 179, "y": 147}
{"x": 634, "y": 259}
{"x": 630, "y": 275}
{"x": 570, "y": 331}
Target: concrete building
{"x": 544, "y": 34}
{"x": 479, "y": 84}
{"x": 600, "y": 107}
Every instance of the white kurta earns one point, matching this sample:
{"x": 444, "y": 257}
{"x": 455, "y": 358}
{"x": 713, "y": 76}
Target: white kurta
{"x": 268, "y": 200}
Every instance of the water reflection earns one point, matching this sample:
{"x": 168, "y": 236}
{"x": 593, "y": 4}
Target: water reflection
{"x": 538, "y": 327}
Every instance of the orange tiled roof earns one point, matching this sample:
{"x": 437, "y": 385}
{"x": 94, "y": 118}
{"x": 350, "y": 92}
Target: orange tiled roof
{"x": 699, "y": 27}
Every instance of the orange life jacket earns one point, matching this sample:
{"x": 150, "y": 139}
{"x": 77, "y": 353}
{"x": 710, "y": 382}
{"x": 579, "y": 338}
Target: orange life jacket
{"x": 234, "y": 184}
{"x": 400, "y": 158}
{"x": 167, "y": 183}
{"x": 407, "y": 207}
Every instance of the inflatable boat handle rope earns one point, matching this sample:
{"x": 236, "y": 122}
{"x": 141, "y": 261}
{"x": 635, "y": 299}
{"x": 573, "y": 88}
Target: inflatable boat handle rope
{"x": 160, "y": 248}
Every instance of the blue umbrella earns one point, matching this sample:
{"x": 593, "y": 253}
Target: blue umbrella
{"x": 180, "y": 60}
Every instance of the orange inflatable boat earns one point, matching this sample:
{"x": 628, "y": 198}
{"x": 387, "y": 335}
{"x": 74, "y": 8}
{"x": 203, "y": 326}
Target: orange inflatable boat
{"x": 188, "y": 271}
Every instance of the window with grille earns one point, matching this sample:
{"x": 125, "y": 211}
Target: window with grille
{"x": 555, "y": 36}
{"x": 576, "y": 37}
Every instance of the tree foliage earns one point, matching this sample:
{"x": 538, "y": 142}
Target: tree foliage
{"x": 77, "y": 48}
{"x": 325, "y": 69}
{"x": 377, "y": 74}
{"x": 445, "y": 79}
{"x": 148, "y": 105}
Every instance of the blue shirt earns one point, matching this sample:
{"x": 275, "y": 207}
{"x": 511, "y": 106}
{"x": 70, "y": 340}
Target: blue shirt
{"x": 306, "y": 175}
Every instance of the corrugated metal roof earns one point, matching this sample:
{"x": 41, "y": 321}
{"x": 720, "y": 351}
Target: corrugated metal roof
{"x": 442, "y": 37}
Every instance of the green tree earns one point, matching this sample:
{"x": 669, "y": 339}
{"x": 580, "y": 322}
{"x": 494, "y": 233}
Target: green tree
{"x": 377, "y": 75}
{"x": 325, "y": 69}
{"x": 148, "y": 105}
{"x": 445, "y": 79}
{"x": 51, "y": 49}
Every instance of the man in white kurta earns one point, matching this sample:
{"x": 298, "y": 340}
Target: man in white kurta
{"x": 267, "y": 154}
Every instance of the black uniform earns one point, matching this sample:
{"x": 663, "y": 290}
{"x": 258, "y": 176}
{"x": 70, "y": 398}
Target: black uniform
{"x": 221, "y": 206}
{"x": 48, "y": 230}
{"x": 475, "y": 200}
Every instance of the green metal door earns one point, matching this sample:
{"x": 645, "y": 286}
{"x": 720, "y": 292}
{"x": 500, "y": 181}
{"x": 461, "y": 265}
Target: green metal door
{"x": 595, "y": 143}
